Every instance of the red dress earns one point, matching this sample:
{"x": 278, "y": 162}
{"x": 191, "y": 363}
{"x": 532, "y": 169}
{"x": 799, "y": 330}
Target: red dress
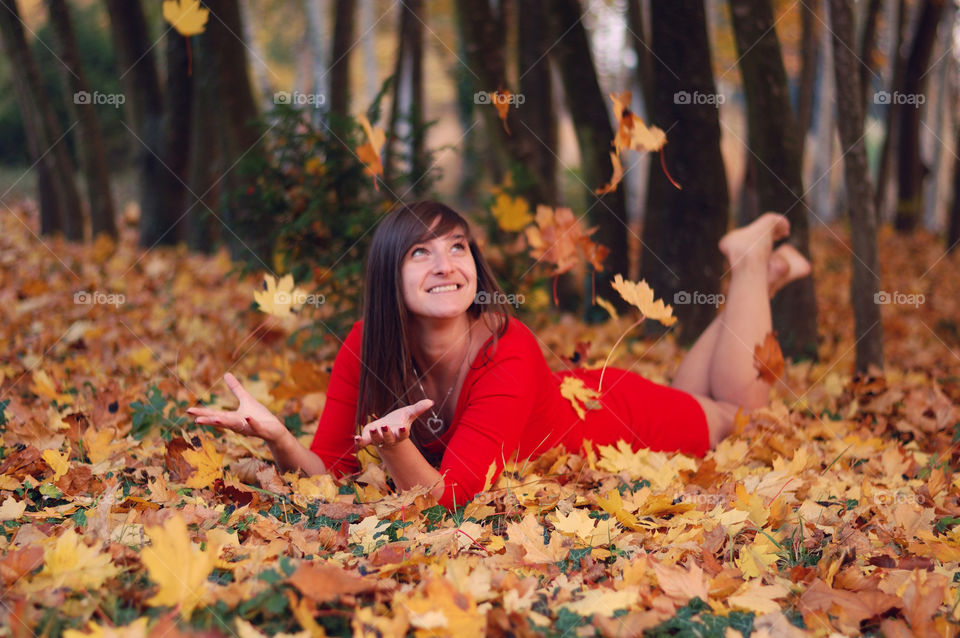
{"x": 511, "y": 406}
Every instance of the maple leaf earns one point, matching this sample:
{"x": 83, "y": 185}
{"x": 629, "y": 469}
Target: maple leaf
{"x": 324, "y": 583}
{"x": 614, "y": 179}
{"x": 369, "y": 151}
{"x": 136, "y": 629}
{"x": 439, "y": 609}
{"x": 577, "y": 524}
{"x": 207, "y": 463}
{"x": 632, "y": 133}
{"x": 44, "y": 386}
{"x": 12, "y": 509}
{"x": 280, "y": 297}
{"x": 501, "y": 101}
{"x": 768, "y": 359}
{"x": 681, "y": 584}
{"x": 59, "y": 463}
{"x": 186, "y": 16}
{"x": 556, "y": 237}
{"x": 69, "y": 562}
{"x": 640, "y": 295}
{"x": 573, "y": 390}
{"x": 603, "y": 601}
{"x": 759, "y": 598}
{"x": 528, "y": 533}
{"x": 511, "y": 213}
{"x": 179, "y": 566}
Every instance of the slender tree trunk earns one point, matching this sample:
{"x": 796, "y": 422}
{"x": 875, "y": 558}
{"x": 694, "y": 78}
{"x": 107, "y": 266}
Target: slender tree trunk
{"x": 892, "y": 136}
{"x": 863, "y": 232}
{"x": 588, "y": 108}
{"x": 343, "y": 41}
{"x": 910, "y": 169}
{"x": 774, "y": 142}
{"x": 953, "y": 224}
{"x": 44, "y": 136}
{"x": 250, "y": 234}
{"x": 317, "y": 51}
{"x": 868, "y": 40}
{"x": 810, "y": 27}
{"x": 482, "y": 32}
{"x": 538, "y": 113}
{"x": 418, "y": 133}
{"x": 91, "y": 147}
{"x": 682, "y": 227}
{"x": 640, "y": 39}
{"x": 204, "y": 158}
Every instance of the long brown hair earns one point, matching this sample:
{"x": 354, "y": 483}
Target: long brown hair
{"x": 387, "y": 377}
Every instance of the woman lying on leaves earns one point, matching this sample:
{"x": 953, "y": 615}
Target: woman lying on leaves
{"x": 461, "y": 385}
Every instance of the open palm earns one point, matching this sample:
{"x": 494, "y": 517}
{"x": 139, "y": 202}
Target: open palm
{"x": 251, "y": 418}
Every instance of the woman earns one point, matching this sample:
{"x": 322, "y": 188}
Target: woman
{"x": 463, "y": 387}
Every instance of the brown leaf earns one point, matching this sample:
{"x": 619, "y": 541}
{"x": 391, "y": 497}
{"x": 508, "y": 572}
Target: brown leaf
{"x": 768, "y": 359}
{"x": 323, "y": 583}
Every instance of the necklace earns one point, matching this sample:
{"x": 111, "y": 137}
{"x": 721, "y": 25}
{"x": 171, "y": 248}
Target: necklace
{"x": 434, "y": 423}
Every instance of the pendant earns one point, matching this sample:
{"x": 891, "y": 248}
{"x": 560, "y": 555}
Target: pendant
{"x": 435, "y": 425}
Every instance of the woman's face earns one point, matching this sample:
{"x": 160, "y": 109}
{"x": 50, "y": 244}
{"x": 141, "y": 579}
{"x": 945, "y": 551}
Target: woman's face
{"x": 439, "y": 276}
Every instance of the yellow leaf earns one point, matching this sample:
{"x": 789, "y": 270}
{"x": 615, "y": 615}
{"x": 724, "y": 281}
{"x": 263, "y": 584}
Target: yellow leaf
{"x": 603, "y": 601}
{"x": 369, "y": 152}
{"x": 438, "y": 609}
{"x": 656, "y": 467}
{"x": 577, "y": 524}
{"x": 613, "y": 505}
{"x": 12, "y": 509}
{"x": 60, "y": 463}
{"x": 363, "y": 533}
{"x": 280, "y": 298}
{"x": 641, "y": 295}
{"x": 755, "y": 559}
{"x": 100, "y": 445}
{"x": 491, "y": 475}
{"x": 511, "y": 213}
{"x": 759, "y": 598}
{"x": 614, "y": 179}
{"x": 573, "y": 390}
{"x": 208, "y": 463}
{"x": 178, "y": 566}
{"x": 44, "y": 386}
{"x": 528, "y": 533}
{"x": 68, "y": 562}
{"x": 136, "y": 629}
{"x": 186, "y": 16}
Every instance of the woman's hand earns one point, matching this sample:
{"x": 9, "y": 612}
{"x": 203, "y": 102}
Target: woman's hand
{"x": 251, "y": 418}
{"x": 394, "y": 427}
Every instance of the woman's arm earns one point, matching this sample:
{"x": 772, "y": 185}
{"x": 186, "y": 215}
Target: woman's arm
{"x": 290, "y": 456}
{"x": 409, "y": 468}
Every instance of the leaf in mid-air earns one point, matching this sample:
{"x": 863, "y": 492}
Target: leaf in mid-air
{"x": 512, "y": 213}
{"x": 186, "y": 16}
{"x": 280, "y": 297}
{"x": 768, "y": 359}
{"x": 369, "y": 151}
{"x": 573, "y": 390}
{"x": 632, "y": 133}
{"x": 614, "y": 179}
{"x": 501, "y": 101}
{"x": 641, "y": 295}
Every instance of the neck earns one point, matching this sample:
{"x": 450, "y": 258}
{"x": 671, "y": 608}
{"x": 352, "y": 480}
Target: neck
{"x": 439, "y": 346}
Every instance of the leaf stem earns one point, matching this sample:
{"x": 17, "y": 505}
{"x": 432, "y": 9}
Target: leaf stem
{"x": 604, "y": 369}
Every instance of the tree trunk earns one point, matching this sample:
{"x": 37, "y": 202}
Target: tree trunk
{"x": 868, "y": 40}
{"x": 418, "y": 132}
{"x": 639, "y": 37}
{"x": 893, "y": 109}
{"x": 810, "y": 26}
{"x": 538, "y": 113}
{"x": 682, "y": 227}
{"x": 60, "y": 210}
{"x": 250, "y": 234}
{"x": 953, "y": 224}
{"x": 343, "y": 41}
{"x": 90, "y": 140}
{"x": 774, "y": 143}
{"x": 317, "y": 50}
{"x": 865, "y": 283}
{"x": 588, "y": 108}
{"x": 204, "y": 157}
{"x": 482, "y": 33}
{"x": 910, "y": 169}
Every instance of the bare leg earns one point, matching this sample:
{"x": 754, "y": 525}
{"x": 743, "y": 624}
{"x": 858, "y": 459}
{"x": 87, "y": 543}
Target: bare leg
{"x": 785, "y": 265}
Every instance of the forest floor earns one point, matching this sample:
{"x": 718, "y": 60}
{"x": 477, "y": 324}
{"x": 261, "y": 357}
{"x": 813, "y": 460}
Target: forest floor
{"x": 833, "y": 510}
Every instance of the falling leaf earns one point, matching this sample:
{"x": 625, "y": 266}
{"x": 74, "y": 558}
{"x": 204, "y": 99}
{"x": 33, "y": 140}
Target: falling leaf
{"x": 512, "y": 213}
{"x": 614, "y": 179}
{"x": 179, "y": 566}
{"x": 573, "y": 390}
{"x": 632, "y": 133}
{"x": 186, "y": 16}
{"x": 280, "y": 297}
{"x": 369, "y": 151}
{"x": 641, "y": 295}
{"x": 768, "y": 359}
{"x": 556, "y": 238}
{"x": 501, "y": 101}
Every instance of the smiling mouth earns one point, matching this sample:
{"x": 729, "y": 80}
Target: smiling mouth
{"x": 447, "y": 288}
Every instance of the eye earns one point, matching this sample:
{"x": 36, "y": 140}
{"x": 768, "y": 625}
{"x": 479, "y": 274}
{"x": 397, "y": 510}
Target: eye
{"x": 416, "y": 251}
{"x": 459, "y": 246}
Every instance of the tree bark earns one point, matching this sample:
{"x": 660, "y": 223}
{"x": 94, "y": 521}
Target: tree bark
{"x": 953, "y": 224}
{"x": 204, "y": 157}
{"x": 588, "y": 108}
{"x": 910, "y": 169}
{"x": 482, "y": 32}
{"x": 682, "y": 227}
{"x": 808, "y": 69}
{"x": 60, "y": 210}
{"x": 868, "y": 40}
{"x": 90, "y": 145}
{"x": 250, "y": 234}
{"x": 538, "y": 114}
{"x": 343, "y": 41}
{"x": 639, "y": 37}
{"x": 774, "y": 143}
{"x": 865, "y": 283}
{"x": 892, "y": 135}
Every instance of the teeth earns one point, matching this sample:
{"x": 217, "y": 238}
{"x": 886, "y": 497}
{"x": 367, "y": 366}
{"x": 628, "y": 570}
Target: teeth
{"x": 447, "y": 288}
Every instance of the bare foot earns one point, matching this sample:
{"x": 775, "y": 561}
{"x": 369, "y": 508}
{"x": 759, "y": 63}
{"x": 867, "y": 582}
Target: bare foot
{"x": 754, "y": 242}
{"x": 786, "y": 264}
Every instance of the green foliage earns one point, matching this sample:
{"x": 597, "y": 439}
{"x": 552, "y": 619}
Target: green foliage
{"x": 156, "y": 413}
{"x": 694, "y": 619}
{"x": 3, "y": 412}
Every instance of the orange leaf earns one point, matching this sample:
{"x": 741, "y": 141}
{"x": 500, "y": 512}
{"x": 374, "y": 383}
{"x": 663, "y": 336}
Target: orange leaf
{"x": 501, "y": 101}
{"x": 768, "y": 359}
{"x": 614, "y": 179}
{"x": 369, "y": 152}
{"x": 632, "y": 133}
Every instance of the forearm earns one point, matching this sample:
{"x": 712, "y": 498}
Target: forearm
{"x": 290, "y": 456}
{"x": 409, "y": 468}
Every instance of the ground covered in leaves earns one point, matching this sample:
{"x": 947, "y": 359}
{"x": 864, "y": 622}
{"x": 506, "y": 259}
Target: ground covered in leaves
{"x": 835, "y": 510}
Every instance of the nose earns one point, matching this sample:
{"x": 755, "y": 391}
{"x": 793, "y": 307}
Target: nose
{"x": 442, "y": 263}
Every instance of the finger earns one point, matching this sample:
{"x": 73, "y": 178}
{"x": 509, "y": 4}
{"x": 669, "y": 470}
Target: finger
{"x": 234, "y": 385}
{"x": 219, "y": 415}
{"x": 418, "y": 408}
{"x": 386, "y": 433}
{"x": 201, "y": 411}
